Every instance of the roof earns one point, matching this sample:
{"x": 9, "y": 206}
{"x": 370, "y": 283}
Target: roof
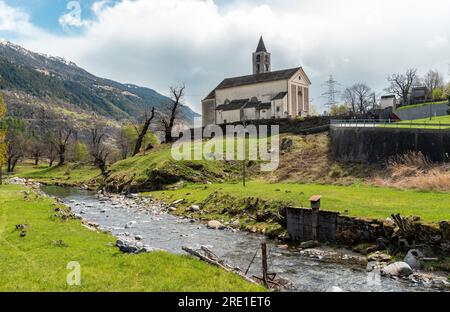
{"x": 261, "y": 46}
{"x": 388, "y": 96}
{"x": 235, "y": 104}
{"x": 280, "y": 96}
{"x": 244, "y": 103}
{"x": 257, "y": 78}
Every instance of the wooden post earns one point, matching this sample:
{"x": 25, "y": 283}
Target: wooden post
{"x": 264, "y": 263}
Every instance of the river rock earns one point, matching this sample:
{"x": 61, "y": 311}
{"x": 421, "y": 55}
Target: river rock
{"x": 412, "y": 258}
{"x": 397, "y": 269}
{"x": 379, "y": 256}
{"x": 309, "y": 244}
{"x": 194, "y": 208}
{"x": 130, "y": 224}
{"x": 177, "y": 202}
{"x": 235, "y": 224}
{"x": 138, "y": 237}
{"x": 172, "y": 209}
{"x": 215, "y": 225}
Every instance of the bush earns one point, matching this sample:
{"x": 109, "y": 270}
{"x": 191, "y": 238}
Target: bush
{"x": 437, "y": 94}
{"x": 448, "y": 110}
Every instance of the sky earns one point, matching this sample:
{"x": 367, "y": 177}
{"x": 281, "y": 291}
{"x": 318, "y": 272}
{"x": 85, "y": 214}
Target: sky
{"x": 161, "y": 43}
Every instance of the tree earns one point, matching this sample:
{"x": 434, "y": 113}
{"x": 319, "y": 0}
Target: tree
{"x": 144, "y": 130}
{"x": 437, "y": 94}
{"x": 98, "y": 150}
{"x": 2, "y": 138}
{"x": 339, "y": 110}
{"x": 349, "y": 98}
{"x": 60, "y": 140}
{"x": 36, "y": 147}
{"x": 433, "y": 80}
{"x": 401, "y": 84}
{"x": 358, "y": 98}
{"x": 81, "y": 152}
{"x": 363, "y": 96}
{"x": 16, "y": 142}
{"x": 168, "y": 122}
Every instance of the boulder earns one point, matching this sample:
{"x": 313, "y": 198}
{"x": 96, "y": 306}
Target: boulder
{"x": 235, "y": 224}
{"x": 412, "y": 258}
{"x": 215, "y": 225}
{"x": 194, "y": 208}
{"x": 138, "y": 237}
{"x": 286, "y": 144}
{"x": 177, "y": 202}
{"x": 397, "y": 269}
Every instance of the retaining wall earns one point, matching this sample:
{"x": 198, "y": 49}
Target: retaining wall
{"x": 377, "y": 145}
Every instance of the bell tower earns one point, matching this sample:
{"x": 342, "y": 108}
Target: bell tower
{"x": 261, "y": 59}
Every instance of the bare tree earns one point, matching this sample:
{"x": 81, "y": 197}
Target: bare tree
{"x": 401, "y": 84}
{"x": 349, "y": 98}
{"x": 143, "y": 131}
{"x": 98, "y": 150}
{"x": 60, "y": 139}
{"x": 362, "y": 94}
{"x": 177, "y": 95}
{"x": 16, "y": 144}
{"x": 432, "y": 81}
{"x": 36, "y": 148}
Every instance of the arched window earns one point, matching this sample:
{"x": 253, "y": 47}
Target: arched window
{"x": 267, "y": 59}
{"x": 258, "y": 58}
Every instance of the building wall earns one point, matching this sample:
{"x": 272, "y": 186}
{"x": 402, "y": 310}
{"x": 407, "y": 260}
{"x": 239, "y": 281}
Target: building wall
{"x": 208, "y": 112}
{"x": 298, "y": 96}
{"x": 264, "y": 92}
{"x": 250, "y": 114}
{"x": 283, "y": 108}
{"x": 228, "y": 116}
{"x": 265, "y": 114}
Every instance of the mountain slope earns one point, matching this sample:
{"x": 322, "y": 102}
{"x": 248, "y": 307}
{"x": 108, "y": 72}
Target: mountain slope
{"x": 56, "y": 80}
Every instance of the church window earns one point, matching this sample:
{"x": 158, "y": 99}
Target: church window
{"x": 267, "y": 67}
{"x": 258, "y": 58}
{"x": 258, "y": 68}
{"x": 278, "y": 109}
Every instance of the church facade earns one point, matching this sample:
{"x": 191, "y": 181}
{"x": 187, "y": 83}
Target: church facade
{"x": 266, "y": 94}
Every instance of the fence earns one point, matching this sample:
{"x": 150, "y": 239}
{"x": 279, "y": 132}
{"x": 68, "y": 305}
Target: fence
{"x": 387, "y": 123}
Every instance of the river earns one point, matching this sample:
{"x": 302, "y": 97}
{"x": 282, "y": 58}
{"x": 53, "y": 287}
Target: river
{"x": 170, "y": 233}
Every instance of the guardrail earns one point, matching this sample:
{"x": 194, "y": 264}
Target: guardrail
{"x": 387, "y": 123}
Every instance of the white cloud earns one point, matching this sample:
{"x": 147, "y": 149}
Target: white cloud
{"x": 161, "y": 42}
{"x": 15, "y": 21}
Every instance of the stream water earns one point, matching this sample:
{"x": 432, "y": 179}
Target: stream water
{"x": 237, "y": 249}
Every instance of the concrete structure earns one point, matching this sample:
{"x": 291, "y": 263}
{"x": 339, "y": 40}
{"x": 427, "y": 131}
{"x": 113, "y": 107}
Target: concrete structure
{"x": 264, "y": 95}
{"x": 388, "y": 101}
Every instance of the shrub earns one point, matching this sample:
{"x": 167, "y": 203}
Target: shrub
{"x": 437, "y": 94}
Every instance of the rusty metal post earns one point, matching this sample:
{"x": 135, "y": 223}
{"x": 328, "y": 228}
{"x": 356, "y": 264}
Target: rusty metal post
{"x": 264, "y": 263}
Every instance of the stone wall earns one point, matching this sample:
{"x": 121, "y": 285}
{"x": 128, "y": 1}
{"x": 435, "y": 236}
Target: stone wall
{"x": 377, "y": 145}
{"x": 351, "y": 231}
{"x": 422, "y": 111}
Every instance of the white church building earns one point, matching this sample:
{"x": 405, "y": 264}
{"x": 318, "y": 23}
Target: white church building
{"x": 266, "y": 94}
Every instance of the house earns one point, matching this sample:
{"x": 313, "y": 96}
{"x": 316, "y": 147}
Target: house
{"x": 265, "y": 94}
{"x": 388, "y": 101}
{"x": 419, "y": 95}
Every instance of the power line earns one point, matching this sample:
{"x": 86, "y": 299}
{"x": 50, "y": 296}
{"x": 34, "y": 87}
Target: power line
{"x": 332, "y": 91}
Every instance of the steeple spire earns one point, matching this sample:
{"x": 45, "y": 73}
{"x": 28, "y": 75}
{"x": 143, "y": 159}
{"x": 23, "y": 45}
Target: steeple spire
{"x": 261, "y": 46}
{"x": 261, "y": 59}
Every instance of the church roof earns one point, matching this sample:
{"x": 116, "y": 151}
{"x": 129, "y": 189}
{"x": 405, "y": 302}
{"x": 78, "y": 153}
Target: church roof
{"x": 252, "y": 79}
{"x": 261, "y": 46}
{"x": 236, "y": 104}
{"x": 279, "y": 96}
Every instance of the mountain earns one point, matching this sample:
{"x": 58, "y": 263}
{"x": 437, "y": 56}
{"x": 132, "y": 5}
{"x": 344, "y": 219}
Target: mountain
{"x": 31, "y": 79}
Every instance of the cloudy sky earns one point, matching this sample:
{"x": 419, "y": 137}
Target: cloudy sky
{"x": 158, "y": 43}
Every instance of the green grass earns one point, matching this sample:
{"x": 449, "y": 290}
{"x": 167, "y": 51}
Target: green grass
{"x": 68, "y": 174}
{"x": 422, "y": 123}
{"x": 422, "y": 104}
{"x": 358, "y": 200}
{"x": 37, "y": 263}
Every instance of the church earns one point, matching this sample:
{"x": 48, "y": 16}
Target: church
{"x": 266, "y": 94}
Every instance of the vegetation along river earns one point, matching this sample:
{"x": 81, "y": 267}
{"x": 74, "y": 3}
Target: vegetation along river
{"x": 164, "y": 231}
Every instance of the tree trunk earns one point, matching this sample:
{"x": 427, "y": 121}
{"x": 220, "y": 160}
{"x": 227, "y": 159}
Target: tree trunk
{"x": 1, "y": 174}
{"x": 36, "y": 160}
{"x": 14, "y": 163}
{"x": 143, "y": 133}
{"x": 9, "y": 165}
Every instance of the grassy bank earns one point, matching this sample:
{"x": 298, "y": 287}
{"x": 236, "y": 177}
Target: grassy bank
{"x": 69, "y": 174}
{"x": 37, "y": 262}
{"x": 355, "y": 200}
{"x": 421, "y": 104}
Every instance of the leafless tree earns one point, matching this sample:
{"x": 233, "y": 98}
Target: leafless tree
{"x": 168, "y": 122}
{"x": 16, "y": 144}
{"x": 36, "y": 149}
{"x": 358, "y": 97}
{"x": 143, "y": 131}
{"x": 98, "y": 150}
{"x": 349, "y": 98}
{"x": 433, "y": 80}
{"x": 60, "y": 139}
{"x": 401, "y": 84}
